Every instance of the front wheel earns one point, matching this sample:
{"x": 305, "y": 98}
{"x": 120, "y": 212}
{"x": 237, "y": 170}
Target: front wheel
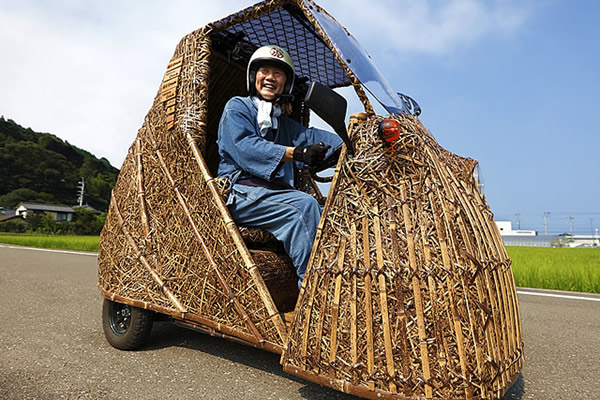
{"x": 125, "y": 327}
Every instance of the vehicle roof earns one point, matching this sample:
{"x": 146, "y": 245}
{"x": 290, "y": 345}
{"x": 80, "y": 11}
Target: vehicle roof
{"x": 288, "y": 25}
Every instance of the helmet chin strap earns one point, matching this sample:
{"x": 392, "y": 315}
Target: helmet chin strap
{"x": 279, "y": 98}
{"x": 283, "y": 98}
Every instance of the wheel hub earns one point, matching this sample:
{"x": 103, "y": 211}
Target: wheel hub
{"x": 120, "y": 318}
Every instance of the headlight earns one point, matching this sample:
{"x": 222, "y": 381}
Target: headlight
{"x": 389, "y": 130}
{"x": 478, "y": 179}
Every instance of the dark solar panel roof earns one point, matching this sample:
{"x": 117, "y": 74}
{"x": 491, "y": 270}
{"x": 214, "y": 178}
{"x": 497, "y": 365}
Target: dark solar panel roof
{"x": 288, "y": 27}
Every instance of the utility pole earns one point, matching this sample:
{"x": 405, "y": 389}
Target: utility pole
{"x": 546, "y": 213}
{"x": 571, "y": 224}
{"x": 518, "y": 220}
{"x": 80, "y": 191}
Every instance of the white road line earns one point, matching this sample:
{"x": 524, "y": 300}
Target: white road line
{"x": 561, "y": 296}
{"x": 50, "y": 250}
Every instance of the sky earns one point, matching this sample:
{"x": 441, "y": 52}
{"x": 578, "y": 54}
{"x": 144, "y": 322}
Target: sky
{"x": 511, "y": 83}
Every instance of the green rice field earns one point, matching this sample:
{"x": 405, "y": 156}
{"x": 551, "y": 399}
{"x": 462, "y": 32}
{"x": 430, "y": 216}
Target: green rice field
{"x": 63, "y": 242}
{"x": 576, "y": 270}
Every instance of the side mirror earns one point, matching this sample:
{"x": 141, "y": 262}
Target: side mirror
{"x": 331, "y": 108}
{"x": 411, "y": 104}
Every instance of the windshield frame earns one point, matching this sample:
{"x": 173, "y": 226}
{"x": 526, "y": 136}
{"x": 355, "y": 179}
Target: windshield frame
{"x": 357, "y": 61}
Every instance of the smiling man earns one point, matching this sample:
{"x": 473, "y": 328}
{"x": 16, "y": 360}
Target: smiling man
{"x": 258, "y": 147}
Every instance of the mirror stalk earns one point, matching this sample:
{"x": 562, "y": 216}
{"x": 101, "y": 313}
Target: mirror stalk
{"x": 330, "y": 107}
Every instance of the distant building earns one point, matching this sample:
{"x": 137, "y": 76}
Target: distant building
{"x": 505, "y": 228}
{"x": 60, "y": 213}
{"x": 580, "y": 241}
{"x": 7, "y": 215}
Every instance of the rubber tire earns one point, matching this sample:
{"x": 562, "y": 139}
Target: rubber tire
{"x": 126, "y": 335}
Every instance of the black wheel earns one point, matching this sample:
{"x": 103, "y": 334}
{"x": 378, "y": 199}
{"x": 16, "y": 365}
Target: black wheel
{"x": 125, "y": 327}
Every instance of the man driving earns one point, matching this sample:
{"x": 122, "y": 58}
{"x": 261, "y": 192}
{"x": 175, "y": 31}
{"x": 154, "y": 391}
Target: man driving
{"x": 258, "y": 147}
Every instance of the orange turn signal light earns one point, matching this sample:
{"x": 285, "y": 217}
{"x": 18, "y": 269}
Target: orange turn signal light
{"x": 389, "y": 130}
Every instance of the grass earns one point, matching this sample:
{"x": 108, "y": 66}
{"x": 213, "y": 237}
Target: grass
{"x": 63, "y": 242}
{"x": 576, "y": 270}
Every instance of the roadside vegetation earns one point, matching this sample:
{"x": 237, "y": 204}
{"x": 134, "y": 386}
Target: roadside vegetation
{"x": 63, "y": 242}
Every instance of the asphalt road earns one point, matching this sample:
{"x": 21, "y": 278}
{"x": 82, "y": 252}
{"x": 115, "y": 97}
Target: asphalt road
{"x": 52, "y": 345}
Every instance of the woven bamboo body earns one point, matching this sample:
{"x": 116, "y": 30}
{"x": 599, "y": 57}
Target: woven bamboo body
{"x": 409, "y": 291}
{"x": 169, "y": 243}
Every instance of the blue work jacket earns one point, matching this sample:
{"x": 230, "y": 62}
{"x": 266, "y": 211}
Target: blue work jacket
{"x": 245, "y": 152}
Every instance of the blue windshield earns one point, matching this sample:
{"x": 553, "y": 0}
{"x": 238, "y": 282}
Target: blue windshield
{"x": 359, "y": 62}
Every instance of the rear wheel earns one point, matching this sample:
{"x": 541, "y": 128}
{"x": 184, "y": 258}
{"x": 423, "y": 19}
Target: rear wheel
{"x": 125, "y": 327}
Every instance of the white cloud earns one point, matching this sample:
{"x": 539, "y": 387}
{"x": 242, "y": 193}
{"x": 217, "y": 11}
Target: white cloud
{"x": 434, "y": 26}
{"x": 88, "y": 71}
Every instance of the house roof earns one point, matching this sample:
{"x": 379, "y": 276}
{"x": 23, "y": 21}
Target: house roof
{"x": 6, "y": 217}
{"x": 46, "y": 207}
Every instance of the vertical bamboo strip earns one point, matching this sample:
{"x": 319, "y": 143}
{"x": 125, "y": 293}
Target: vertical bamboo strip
{"x": 353, "y": 312}
{"x": 491, "y": 338}
{"x": 321, "y": 320}
{"x": 387, "y": 335}
{"x": 308, "y": 310}
{"x": 402, "y": 319}
{"x": 368, "y": 302}
{"x": 412, "y": 257}
{"x": 336, "y": 304}
{"x": 141, "y": 196}
{"x": 452, "y": 299}
{"x": 442, "y": 346}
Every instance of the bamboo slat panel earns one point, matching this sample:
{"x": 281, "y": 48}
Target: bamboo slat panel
{"x": 409, "y": 290}
{"x": 169, "y": 239}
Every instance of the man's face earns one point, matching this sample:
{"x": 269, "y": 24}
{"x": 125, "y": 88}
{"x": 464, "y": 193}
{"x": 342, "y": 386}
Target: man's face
{"x": 270, "y": 81}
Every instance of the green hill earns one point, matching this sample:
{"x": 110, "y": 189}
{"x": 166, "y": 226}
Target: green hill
{"x": 41, "y": 167}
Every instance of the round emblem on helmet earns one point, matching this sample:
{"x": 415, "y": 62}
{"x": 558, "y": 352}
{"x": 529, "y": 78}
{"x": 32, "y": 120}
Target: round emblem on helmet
{"x": 276, "y": 53}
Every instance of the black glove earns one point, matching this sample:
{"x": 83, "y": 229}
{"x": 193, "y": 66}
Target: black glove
{"x": 311, "y": 155}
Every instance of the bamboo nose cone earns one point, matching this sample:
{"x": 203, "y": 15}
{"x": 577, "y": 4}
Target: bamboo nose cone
{"x": 409, "y": 292}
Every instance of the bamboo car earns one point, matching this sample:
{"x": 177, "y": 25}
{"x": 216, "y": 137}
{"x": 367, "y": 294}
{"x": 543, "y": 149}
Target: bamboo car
{"x": 409, "y": 291}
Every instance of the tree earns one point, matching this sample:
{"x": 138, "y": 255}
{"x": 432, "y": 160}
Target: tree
{"x": 12, "y": 199}
{"x": 17, "y": 225}
{"x": 44, "y": 163}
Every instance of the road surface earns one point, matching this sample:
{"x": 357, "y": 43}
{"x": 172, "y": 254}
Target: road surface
{"x": 52, "y": 345}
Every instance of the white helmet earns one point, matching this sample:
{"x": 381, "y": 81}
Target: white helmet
{"x": 274, "y": 55}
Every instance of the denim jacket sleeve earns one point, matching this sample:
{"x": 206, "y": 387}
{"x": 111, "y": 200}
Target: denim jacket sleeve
{"x": 306, "y": 136}
{"x": 240, "y": 145}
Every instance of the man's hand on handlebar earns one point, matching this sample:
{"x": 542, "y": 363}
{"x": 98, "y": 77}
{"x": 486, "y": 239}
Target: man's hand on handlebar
{"x": 311, "y": 155}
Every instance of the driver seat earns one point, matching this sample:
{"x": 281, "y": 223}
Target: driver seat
{"x": 259, "y": 238}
